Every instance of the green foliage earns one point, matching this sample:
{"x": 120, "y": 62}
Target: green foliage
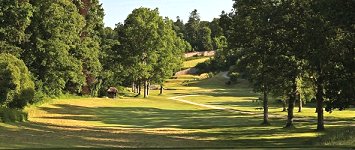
{"x": 16, "y": 85}
{"x": 10, "y": 49}
{"x": 204, "y": 39}
{"x": 112, "y": 60}
{"x": 225, "y": 22}
{"x": 216, "y": 29}
{"x": 170, "y": 54}
{"x": 12, "y": 115}
{"x": 306, "y": 89}
{"x": 179, "y": 28}
{"x": 89, "y": 48}
{"x": 192, "y": 29}
{"x": 151, "y": 49}
{"x": 234, "y": 76}
{"x": 39, "y": 98}
{"x": 206, "y": 67}
{"x": 52, "y": 52}
{"x": 220, "y": 43}
{"x": 15, "y": 17}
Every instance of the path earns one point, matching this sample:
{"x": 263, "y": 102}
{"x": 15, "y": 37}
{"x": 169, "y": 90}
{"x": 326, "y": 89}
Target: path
{"x": 179, "y": 98}
{"x": 225, "y": 75}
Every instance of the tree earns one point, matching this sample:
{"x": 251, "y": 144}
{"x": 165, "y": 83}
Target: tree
{"x": 330, "y": 54}
{"x": 151, "y": 49}
{"x": 112, "y": 60}
{"x": 255, "y": 46}
{"x": 16, "y": 85}
{"x": 192, "y": 28}
{"x": 141, "y": 40}
{"x": 53, "y": 46}
{"x": 89, "y": 48}
{"x": 216, "y": 29}
{"x": 179, "y": 27}
{"x": 15, "y": 18}
{"x": 225, "y": 21}
{"x": 170, "y": 55}
{"x": 204, "y": 39}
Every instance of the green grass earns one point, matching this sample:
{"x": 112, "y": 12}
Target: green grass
{"x": 157, "y": 122}
{"x": 338, "y": 137}
{"x": 194, "y": 62}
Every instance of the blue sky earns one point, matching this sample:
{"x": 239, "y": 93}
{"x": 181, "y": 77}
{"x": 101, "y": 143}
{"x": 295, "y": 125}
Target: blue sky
{"x": 117, "y": 10}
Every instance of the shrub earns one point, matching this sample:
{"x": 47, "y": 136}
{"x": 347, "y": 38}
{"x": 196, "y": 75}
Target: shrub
{"x": 12, "y": 115}
{"x": 204, "y": 67}
{"x": 234, "y": 77}
{"x": 16, "y": 85}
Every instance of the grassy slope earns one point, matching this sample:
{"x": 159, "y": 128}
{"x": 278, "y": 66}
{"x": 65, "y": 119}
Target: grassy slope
{"x": 159, "y": 122}
{"x": 194, "y": 62}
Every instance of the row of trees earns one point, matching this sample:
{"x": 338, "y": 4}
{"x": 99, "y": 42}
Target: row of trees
{"x": 202, "y": 35}
{"x": 59, "y": 42}
{"x": 66, "y": 49}
{"x": 292, "y": 46}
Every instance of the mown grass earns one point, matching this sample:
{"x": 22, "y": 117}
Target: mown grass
{"x": 157, "y": 122}
{"x": 194, "y": 62}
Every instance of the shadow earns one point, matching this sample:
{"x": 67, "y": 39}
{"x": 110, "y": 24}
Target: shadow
{"x": 148, "y": 127}
{"x": 139, "y": 127}
{"x": 144, "y": 117}
{"x": 244, "y": 103}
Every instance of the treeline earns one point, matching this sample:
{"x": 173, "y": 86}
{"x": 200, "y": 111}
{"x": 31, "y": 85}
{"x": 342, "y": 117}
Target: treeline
{"x": 203, "y": 35}
{"x": 293, "y": 48}
{"x": 50, "y": 48}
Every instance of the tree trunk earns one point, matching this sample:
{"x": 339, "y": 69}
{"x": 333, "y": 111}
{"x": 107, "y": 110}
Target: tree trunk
{"x": 299, "y": 104}
{"x": 291, "y": 105}
{"x": 266, "y": 110}
{"x": 284, "y": 103}
{"x": 148, "y": 85}
{"x": 139, "y": 88}
{"x": 133, "y": 87}
{"x": 161, "y": 89}
{"x": 319, "y": 109}
{"x": 145, "y": 89}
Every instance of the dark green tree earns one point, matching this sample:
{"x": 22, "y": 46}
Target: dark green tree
{"x": 170, "y": 55}
{"x": 89, "y": 48}
{"x": 179, "y": 27}
{"x": 16, "y": 85}
{"x": 216, "y": 29}
{"x": 330, "y": 54}
{"x": 225, "y": 21}
{"x": 253, "y": 41}
{"x": 204, "y": 42}
{"x": 51, "y": 51}
{"x": 141, "y": 41}
{"x": 15, "y": 18}
{"x": 192, "y": 29}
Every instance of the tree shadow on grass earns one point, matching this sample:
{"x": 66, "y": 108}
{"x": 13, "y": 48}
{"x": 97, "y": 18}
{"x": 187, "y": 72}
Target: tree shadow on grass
{"x": 145, "y": 127}
{"x": 144, "y": 117}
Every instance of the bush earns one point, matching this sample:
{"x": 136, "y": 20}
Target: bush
{"x": 16, "y": 85}
{"x": 12, "y": 115}
{"x": 204, "y": 67}
{"x": 234, "y": 77}
{"x": 38, "y": 97}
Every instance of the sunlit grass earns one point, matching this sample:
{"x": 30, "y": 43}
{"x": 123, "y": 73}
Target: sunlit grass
{"x": 158, "y": 122}
{"x": 194, "y": 62}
